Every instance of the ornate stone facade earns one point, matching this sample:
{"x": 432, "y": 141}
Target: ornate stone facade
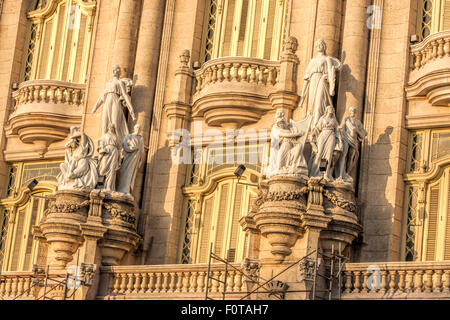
{"x": 338, "y": 115}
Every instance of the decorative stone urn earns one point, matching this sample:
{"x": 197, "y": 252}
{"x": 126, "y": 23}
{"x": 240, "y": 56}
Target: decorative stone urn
{"x": 279, "y": 215}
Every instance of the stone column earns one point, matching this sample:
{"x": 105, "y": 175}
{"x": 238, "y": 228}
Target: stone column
{"x": 355, "y": 42}
{"x": 328, "y": 24}
{"x": 126, "y": 36}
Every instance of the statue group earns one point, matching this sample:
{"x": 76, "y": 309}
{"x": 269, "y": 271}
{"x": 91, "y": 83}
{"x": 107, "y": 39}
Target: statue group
{"x": 120, "y": 152}
{"x": 334, "y": 149}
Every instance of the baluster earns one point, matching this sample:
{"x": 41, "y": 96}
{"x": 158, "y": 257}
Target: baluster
{"x": 52, "y": 94}
{"x": 27, "y": 287}
{"x": 214, "y": 284}
{"x": 203, "y": 81}
{"x": 173, "y": 283}
{"x": 198, "y": 78}
{"x": 244, "y": 76}
{"x": 158, "y": 282}
{"x": 214, "y": 73}
{"x": 434, "y": 50}
{"x": 401, "y": 280}
{"x": 424, "y": 57}
{"x": 14, "y": 284}
{"x": 137, "y": 283}
{"x": 193, "y": 282}
{"x": 208, "y": 76}
{"x": 348, "y": 282}
{"x": 186, "y": 280}
{"x": 44, "y": 92}
{"x": 130, "y": 283}
{"x": 446, "y": 288}
{"x": 437, "y": 286}
{"x": 59, "y": 95}
{"x": 76, "y": 97}
{"x": 383, "y": 284}
{"x": 220, "y": 75}
{"x": 271, "y": 77}
{"x": 253, "y": 73}
{"x": 409, "y": 281}
{"x": 261, "y": 75}
{"x": 418, "y": 62}
{"x": 227, "y": 71}
{"x": 364, "y": 283}
{"x": 236, "y": 67}
{"x": 201, "y": 282}
{"x": 151, "y": 282}
{"x": 230, "y": 280}
{"x": 429, "y": 281}
{"x": 392, "y": 280}
{"x": 237, "y": 282}
{"x": 357, "y": 284}
{"x": 165, "y": 285}
{"x": 447, "y": 46}
{"x": 179, "y": 281}
{"x": 37, "y": 93}
{"x": 123, "y": 283}
{"x": 440, "y": 50}
{"x": 2, "y": 289}
{"x": 116, "y": 285}
{"x": 144, "y": 283}
{"x": 20, "y": 286}
{"x": 418, "y": 281}
{"x": 221, "y": 284}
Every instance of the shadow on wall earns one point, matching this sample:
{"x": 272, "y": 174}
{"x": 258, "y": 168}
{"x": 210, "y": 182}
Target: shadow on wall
{"x": 351, "y": 86}
{"x": 377, "y": 210}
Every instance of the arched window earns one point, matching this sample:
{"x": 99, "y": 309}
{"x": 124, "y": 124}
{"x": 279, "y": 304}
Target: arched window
{"x": 426, "y": 235}
{"x": 251, "y": 28}
{"x": 21, "y": 210}
{"x": 59, "y": 40}
{"x": 433, "y": 16}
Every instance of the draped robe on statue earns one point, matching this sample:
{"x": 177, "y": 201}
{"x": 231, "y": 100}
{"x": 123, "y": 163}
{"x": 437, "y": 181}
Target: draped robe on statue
{"x": 109, "y": 161}
{"x": 321, "y": 73}
{"x": 133, "y": 147}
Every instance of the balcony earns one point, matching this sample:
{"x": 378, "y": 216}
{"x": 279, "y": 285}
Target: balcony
{"x": 44, "y": 111}
{"x": 176, "y": 282}
{"x": 397, "y": 280}
{"x": 429, "y": 77}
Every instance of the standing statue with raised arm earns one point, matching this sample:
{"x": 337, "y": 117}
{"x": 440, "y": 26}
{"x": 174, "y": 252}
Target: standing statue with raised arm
{"x": 352, "y": 134}
{"x": 114, "y": 98}
{"x": 320, "y": 82}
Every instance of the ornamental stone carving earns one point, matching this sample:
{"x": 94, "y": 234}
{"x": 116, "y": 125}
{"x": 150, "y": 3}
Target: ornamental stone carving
{"x": 79, "y": 170}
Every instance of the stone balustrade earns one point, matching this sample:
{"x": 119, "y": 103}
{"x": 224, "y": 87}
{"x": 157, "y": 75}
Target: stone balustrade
{"x": 170, "y": 282}
{"x": 17, "y": 286}
{"x": 397, "y": 280}
{"x": 44, "y": 111}
{"x": 237, "y": 69}
{"x": 429, "y": 73}
{"x": 49, "y": 91}
{"x": 435, "y": 46}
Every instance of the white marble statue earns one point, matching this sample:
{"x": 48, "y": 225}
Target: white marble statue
{"x": 133, "y": 149}
{"x": 114, "y": 98}
{"x": 319, "y": 82}
{"x": 109, "y": 160}
{"x": 352, "y": 133}
{"x": 79, "y": 170}
{"x": 326, "y": 145}
{"x": 287, "y": 143}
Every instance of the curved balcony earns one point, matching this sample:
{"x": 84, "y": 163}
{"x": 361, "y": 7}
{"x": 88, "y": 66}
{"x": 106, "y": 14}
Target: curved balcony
{"x": 44, "y": 111}
{"x": 429, "y": 76}
{"x": 234, "y": 91}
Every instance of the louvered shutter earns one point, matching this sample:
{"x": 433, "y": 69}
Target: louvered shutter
{"x": 221, "y": 220}
{"x": 232, "y": 248}
{"x": 447, "y": 227}
{"x": 242, "y": 28}
{"x": 446, "y": 15}
{"x": 432, "y": 224}
{"x": 82, "y": 50}
{"x": 58, "y": 44}
{"x": 206, "y": 229}
{"x": 229, "y": 26}
{"x": 45, "y": 49}
{"x": 269, "y": 31}
{"x": 19, "y": 235}
{"x": 28, "y": 250}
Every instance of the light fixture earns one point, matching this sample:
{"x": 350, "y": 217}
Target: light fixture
{"x": 31, "y": 187}
{"x": 239, "y": 172}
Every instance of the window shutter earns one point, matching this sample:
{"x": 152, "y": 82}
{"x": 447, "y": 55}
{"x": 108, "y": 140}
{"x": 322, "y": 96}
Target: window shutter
{"x": 446, "y": 16}
{"x": 242, "y": 28}
{"x": 229, "y": 25}
{"x": 206, "y": 229}
{"x": 58, "y": 55}
{"x": 45, "y": 49}
{"x": 256, "y": 30}
{"x": 432, "y": 224}
{"x": 28, "y": 259}
{"x": 235, "y": 223}
{"x": 81, "y": 51}
{"x": 269, "y": 31}
{"x": 18, "y": 240}
{"x": 447, "y": 228}
{"x": 221, "y": 220}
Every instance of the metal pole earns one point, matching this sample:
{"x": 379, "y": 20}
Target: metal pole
{"x": 209, "y": 269}
{"x": 225, "y": 279}
{"x": 45, "y": 282}
{"x": 315, "y": 275}
{"x": 331, "y": 273}
{"x": 339, "y": 275}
